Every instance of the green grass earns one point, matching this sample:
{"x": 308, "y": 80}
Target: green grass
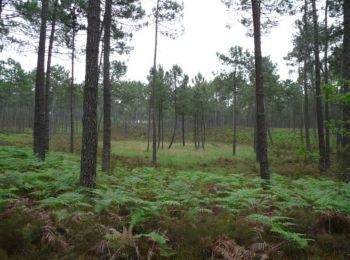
{"x": 180, "y": 212}
{"x": 179, "y": 155}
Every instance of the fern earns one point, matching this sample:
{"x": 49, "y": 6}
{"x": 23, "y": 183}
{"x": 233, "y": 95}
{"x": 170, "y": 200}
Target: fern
{"x": 71, "y": 199}
{"x": 277, "y": 224}
{"x": 161, "y": 240}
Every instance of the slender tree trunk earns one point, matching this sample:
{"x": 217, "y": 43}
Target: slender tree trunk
{"x": 89, "y": 139}
{"x": 203, "y": 130}
{"x": 261, "y": 124}
{"x": 149, "y": 124}
{"x": 175, "y": 109}
{"x": 162, "y": 125}
{"x": 301, "y": 128}
{"x": 346, "y": 87}
{"x": 159, "y": 123}
{"x": 326, "y": 80}
{"x": 198, "y": 133}
{"x": 319, "y": 112}
{"x": 195, "y": 131}
{"x": 234, "y": 116}
{"x": 71, "y": 142}
{"x": 270, "y": 135}
{"x": 306, "y": 109}
{"x": 39, "y": 114}
{"x": 174, "y": 132}
{"x": 183, "y": 129}
{"x": 0, "y": 11}
{"x": 107, "y": 90}
{"x": 48, "y": 80}
{"x": 154, "y": 105}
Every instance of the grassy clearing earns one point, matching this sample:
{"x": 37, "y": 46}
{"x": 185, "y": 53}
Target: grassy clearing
{"x": 165, "y": 212}
{"x": 179, "y": 155}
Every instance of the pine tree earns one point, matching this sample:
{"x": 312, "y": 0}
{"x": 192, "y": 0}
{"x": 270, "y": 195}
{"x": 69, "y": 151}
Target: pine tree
{"x": 89, "y": 139}
{"x": 39, "y": 113}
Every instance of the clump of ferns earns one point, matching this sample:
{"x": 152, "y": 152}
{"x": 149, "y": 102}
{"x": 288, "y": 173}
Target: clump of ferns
{"x": 51, "y": 235}
{"x": 281, "y": 226}
{"x": 120, "y": 244}
{"x": 227, "y": 248}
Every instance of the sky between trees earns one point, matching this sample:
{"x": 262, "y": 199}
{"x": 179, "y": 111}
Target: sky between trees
{"x": 195, "y": 51}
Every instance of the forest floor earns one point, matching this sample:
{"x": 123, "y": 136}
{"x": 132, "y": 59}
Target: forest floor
{"x": 203, "y": 204}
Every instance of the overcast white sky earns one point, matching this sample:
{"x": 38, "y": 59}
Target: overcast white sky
{"x": 195, "y": 51}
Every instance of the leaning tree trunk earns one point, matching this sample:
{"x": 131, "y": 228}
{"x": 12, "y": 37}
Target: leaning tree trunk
{"x": 260, "y": 96}
{"x": 326, "y": 80}
{"x": 175, "y": 108}
{"x": 48, "y": 80}
{"x": 39, "y": 113}
{"x": 174, "y": 132}
{"x": 319, "y": 112}
{"x": 154, "y": 103}
{"x": 89, "y": 139}
{"x": 346, "y": 77}
{"x": 106, "y": 158}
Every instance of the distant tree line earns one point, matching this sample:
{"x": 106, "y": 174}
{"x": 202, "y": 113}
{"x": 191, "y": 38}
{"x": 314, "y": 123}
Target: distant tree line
{"x": 247, "y": 92}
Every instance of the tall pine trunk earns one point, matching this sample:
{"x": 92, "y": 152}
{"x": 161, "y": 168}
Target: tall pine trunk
{"x": 183, "y": 129}
{"x": 346, "y": 87}
{"x": 306, "y": 95}
{"x": 319, "y": 111}
{"x": 234, "y": 141}
{"x": 39, "y": 113}
{"x": 326, "y": 81}
{"x": 260, "y": 96}
{"x": 71, "y": 141}
{"x": 0, "y": 10}
{"x": 175, "y": 108}
{"x": 149, "y": 124}
{"x": 107, "y": 90}
{"x": 154, "y": 103}
{"x": 89, "y": 139}
{"x": 48, "y": 79}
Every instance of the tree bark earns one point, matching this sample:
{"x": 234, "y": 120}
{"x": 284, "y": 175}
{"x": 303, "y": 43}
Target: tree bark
{"x": 48, "y": 80}
{"x": 260, "y": 96}
{"x": 0, "y": 11}
{"x": 326, "y": 80}
{"x": 174, "y": 132}
{"x": 346, "y": 77}
{"x": 319, "y": 112}
{"x": 195, "y": 131}
{"x": 203, "y": 130}
{"x": 159, "y": 123}
{"x": 175, "y": 108}
{"x": 234, "y": 141}
{"x": 183, "y": 129}
{"x": 89, "y": 139}
{"x": 71, "y": 142}
{"x": 107, "y": 90}
{"x": 149, "y": 124}
{"x": 306, "y": 109}
{"x": 39, "y": 114}
{"x": 154, "y": 103}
